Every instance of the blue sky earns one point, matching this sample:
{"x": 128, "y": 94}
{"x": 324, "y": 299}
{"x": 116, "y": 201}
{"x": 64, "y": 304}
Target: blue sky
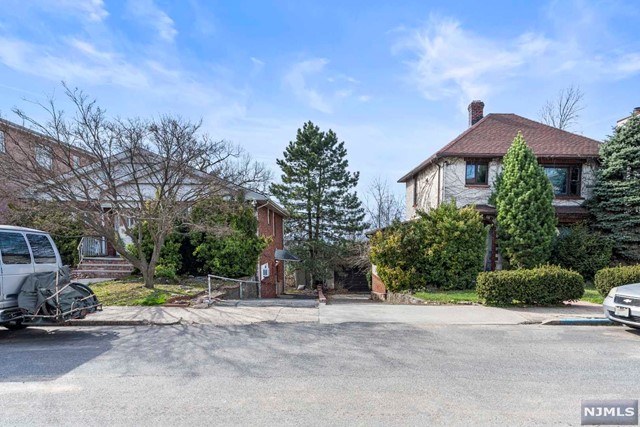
{"x": 393, "y": 79}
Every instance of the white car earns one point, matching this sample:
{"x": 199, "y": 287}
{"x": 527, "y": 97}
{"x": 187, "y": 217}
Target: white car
{"x": 34, "y": 285}
{"x": 622, "y": 305}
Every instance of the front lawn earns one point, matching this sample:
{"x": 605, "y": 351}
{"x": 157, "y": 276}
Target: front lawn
{"x": 449, "y": 297}
{"x": 470, "y": 296}
{"x": 132, "y": 292}
{"x": 591, "y": 294}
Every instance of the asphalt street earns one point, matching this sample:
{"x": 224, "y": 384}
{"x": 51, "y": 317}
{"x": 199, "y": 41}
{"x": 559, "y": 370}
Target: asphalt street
{"x": 313, "y": 374}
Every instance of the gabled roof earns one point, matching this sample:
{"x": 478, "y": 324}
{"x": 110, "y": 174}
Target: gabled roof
{"x": 492, "y": 136}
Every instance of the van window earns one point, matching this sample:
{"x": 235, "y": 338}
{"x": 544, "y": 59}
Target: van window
{"x": 41, "y": 248}
{"x": 14, "y": 249}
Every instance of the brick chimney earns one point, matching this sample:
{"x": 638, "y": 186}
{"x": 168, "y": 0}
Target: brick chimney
{"x": 476, "y": 112}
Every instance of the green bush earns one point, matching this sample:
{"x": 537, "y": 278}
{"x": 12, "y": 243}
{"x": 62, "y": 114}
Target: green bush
{"x": 235, "y": 249}
{"x": 544, "y": 285}
{"x": 167, "y": 271}
{"x": 609, "y": 278}
{"x": 579, "y": 249}
{"x": 443, "y": 248}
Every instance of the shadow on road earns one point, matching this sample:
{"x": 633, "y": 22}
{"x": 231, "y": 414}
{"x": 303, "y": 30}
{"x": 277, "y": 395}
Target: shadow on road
{"x": 36, "y": 354}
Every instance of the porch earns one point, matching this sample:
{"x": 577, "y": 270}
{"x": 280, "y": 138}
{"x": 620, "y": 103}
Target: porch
{"x": 99, "y": 259}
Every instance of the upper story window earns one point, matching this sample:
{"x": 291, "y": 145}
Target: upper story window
{"x": 477, "y": 172}
{"x": 565, "y": 180}
{"x": 44, "y": 157}
{"x": 75, "y": 161}
{"x": 3, "y": 147}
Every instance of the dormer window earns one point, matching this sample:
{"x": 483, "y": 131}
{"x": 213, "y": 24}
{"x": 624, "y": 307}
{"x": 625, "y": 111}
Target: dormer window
{"x": 477, "y": 172}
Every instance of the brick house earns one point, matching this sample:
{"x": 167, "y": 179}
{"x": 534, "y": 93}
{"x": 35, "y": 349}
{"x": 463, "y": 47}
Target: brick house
{"x": 98, "y": 257}
{"x": 31, "y": 147}
{"x": 270, "y": 224}
{"x": 465, "y": 169}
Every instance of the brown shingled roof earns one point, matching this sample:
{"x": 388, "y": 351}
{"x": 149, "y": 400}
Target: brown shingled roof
{"x": 492, "y": 136}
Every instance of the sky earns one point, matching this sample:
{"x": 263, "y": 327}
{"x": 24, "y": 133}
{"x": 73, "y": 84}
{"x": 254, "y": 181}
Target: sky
{"x": 392, "y": 79}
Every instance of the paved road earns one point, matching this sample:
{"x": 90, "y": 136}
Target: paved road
{"x": 313, "y": 374}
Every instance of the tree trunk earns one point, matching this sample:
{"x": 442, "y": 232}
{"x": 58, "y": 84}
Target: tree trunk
{"x": 148, "y": 278}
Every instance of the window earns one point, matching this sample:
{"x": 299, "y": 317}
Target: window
{"x": 41, "y": 248}
{"x": 14, "y": 249}
{"x": 3, "y": 146}
{"x": 76, "y": 161}
{"x": 44, "y": 157}
{"x": 564, "y": 179}
{"x": 477, "y": 172}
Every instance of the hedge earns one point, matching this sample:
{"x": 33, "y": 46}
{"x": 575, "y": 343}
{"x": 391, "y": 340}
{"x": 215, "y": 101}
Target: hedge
{"x": 609, "y": 278}
{"x": 544, "y": 285}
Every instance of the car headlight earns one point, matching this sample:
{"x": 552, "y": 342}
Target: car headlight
{"x": 612, "y": 293}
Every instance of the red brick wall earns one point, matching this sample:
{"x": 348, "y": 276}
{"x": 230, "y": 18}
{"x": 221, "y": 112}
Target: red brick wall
{"x": 378, "y": 289}
{"x": 270, "y": 224}
{"x": 20, "y": 147}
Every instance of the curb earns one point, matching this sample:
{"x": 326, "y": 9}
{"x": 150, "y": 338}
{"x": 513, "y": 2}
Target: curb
{"x": 598, "y": 321}
{"x": 119, "y": 323}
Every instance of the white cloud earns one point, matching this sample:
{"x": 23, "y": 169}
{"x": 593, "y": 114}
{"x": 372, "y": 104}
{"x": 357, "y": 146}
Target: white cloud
{"x": 297, "y": 77}
{"x": 448, "y": 60}
{"x": 93, "y": 10}
{"x": 150, "y": 14}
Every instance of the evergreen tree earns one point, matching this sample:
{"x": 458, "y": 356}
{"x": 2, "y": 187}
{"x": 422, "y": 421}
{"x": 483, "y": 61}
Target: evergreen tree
{"x": 319, "y": 192}
{"x": 526, "y": 217}
{"x": 616, "y": 201}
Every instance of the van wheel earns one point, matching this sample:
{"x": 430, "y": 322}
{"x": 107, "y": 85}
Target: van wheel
{"x": 15, "y": 326}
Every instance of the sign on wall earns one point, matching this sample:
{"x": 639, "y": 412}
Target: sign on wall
{"x": 264, "y": 271}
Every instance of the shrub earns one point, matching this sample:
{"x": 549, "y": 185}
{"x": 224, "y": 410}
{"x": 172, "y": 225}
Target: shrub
{"x": 609, "y": 278}
{"x": 231, "y": 246}
{"x": 544, "y": 285}
{"x": 167, "y": 271}
{"x": 578, "y": 249}
{"x": 443, "y": 248}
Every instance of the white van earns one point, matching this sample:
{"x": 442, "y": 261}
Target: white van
{"x": 23, "y": 251}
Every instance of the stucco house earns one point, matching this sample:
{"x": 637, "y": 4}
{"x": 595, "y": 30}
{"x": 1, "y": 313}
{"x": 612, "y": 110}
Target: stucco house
{"x": 466, "y": 168}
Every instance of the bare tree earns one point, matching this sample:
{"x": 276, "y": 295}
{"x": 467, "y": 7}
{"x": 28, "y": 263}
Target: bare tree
{"x": 382, "y": 206}
{"x": 132, "y": 172}
{"x": 564, "y": 110}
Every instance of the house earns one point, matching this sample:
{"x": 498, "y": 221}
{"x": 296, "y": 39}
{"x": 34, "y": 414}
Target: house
{"x": 466, "y": 168}
{"x": 28, "y": 146}
{"x": 636, "y": 112}
{"x": 129, "y": 176}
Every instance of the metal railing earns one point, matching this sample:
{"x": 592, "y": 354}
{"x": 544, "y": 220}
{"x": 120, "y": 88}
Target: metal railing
{"x": 227, "y": 279}
{"x": 92, "y": 246}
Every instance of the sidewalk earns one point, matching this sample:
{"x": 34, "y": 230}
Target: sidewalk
{"x": 215, "y": 315}
{"x": 453, "y": 314}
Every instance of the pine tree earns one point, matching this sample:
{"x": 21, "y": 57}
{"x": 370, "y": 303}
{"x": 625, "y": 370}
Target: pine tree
{"x": 616, "y": 201}
{"x": 319, "y": 192}
{"x": 526, "y": 218}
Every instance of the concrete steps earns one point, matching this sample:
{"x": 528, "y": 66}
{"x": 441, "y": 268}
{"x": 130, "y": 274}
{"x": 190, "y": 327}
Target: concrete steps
{"x": 111, "y": 267}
